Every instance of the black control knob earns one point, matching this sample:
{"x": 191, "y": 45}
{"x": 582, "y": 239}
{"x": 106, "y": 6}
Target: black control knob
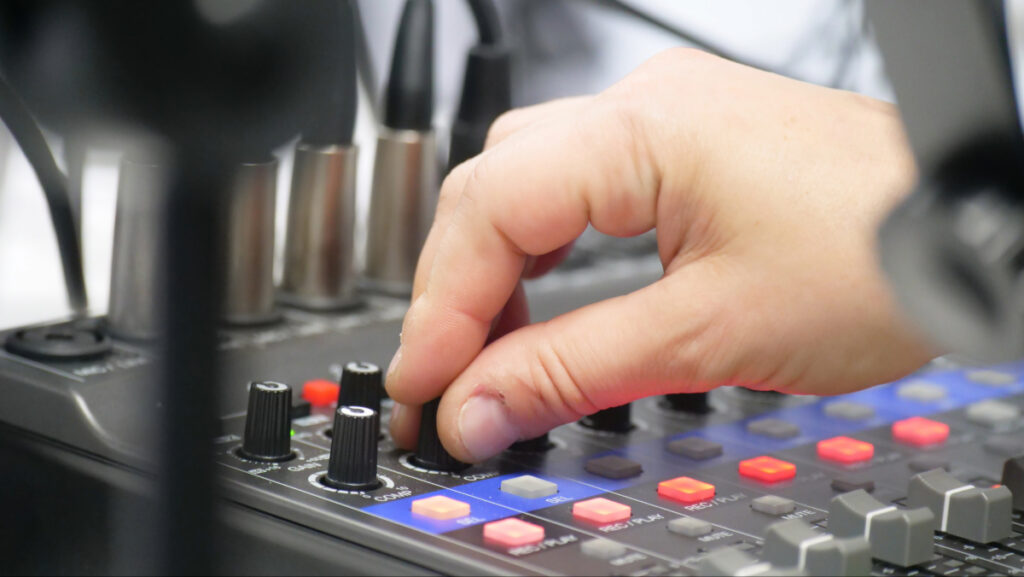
{"x": 613, "y": 420}
{"x": 360, "y": 386}
{"x": 267, "y": 434}
{"x": 693, "y": 403}
{"x": 430, "y": 454}
{"x": 353, "y": 464}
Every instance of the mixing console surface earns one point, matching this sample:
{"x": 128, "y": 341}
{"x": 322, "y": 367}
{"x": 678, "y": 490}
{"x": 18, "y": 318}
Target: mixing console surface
{"x": 696, "y": 494}
{"x": 919, "y": 477}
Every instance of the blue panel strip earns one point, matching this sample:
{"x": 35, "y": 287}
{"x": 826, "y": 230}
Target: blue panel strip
{"x": 401, "y": 512}
{"x": 488, "y": 503}
{"x": 490, "y": 490}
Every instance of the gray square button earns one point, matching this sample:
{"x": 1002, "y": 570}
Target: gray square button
{"x": 689, "y": 527}
{"x": 773, "y": 505}
{"x": 602, "y": 549}
{"x": 992, "y": 413}
{"x": 774, "y": 428}
{"x": 991, "y": 378}
{"x": 695, "y": 448}
{"x": 849, "y": 411}
{"x": 922, "y": 392}
{"x": 528, "y": 487}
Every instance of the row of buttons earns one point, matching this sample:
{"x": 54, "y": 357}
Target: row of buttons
{"x": 603, "y": 511}
{"x": 989, "y": 413}
{"x": 916, "y": 431}
{"x": 514, "y": 532}
{"x": 846, "y": 450}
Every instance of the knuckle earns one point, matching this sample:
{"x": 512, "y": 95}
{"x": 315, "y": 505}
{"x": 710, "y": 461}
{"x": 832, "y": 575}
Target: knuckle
{"x": 502, "y": 126}
{"x": 702, "y": 349}
{"x": 454, "y": 183}
{"x": 477, "y": 179}
{"x": 630, "y": 208}
{"x": 681, "y": 63}
{"x": 680, "y": 55}
{"x": 623, "y": 115}
{"x": 614, "y": 119}
{"x": 557, "y": 386}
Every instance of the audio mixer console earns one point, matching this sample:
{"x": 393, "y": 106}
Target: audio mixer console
{"x": 919, "y": 477}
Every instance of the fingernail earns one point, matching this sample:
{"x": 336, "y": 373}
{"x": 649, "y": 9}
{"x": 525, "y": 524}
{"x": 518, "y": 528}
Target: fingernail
{"x": 396, "y": 412}
{"x": 485, "y": 428}
{"x": 393, "y": 365}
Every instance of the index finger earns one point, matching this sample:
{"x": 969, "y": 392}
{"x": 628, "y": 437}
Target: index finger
{"x": 530, "y": 195}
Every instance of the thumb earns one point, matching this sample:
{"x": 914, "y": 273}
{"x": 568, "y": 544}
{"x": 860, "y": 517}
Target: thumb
{"x": 648, "y": 342}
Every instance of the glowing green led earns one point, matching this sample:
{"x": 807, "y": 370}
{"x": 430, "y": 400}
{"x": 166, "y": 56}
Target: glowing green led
{"x": 293, "y": 432}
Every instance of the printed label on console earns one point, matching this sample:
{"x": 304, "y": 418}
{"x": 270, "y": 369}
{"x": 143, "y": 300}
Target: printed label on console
{"x": 543, "y": 545}
{"x": 720, "y": 500}
{"x": 627, "y": 559}
{"x": 634, "y": 522}
{"x": 716, "y": 536}
{"x": 110, "y": 366}
{"x": 477, "y": 476}
{"x": 800, "y": 514}
{"x": 314, "y": 419}
{"x": 311, "y": 463}
{"x": 267, "y": 469}
{"x": 400, "y": 493}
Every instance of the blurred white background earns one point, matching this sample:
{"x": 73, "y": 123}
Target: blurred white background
{"x": 567, "y": 47}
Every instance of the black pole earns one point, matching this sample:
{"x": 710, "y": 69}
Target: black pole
{"x": 188, "y": 376}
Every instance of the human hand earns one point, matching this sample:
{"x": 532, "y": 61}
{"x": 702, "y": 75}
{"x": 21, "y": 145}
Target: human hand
{"x": 766, "y": 194}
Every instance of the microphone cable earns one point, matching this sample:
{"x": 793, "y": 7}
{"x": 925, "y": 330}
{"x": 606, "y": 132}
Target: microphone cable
{"x": 29, "y": 138}
{"x": 486, "y": 85}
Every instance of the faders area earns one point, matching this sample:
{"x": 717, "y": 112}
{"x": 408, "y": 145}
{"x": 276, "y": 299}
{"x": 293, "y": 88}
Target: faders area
{"x": 924, "y": 476}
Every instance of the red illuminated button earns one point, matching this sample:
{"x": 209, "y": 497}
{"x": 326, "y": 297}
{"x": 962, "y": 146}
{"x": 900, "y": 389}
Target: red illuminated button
{"x": 320, "y": 392}
{"x": 767, "y": 469}
{"x": 920, "y": 432}
{"x": 513, "y": 532}
{"x": 845, "y": 450}
{"x": 440, "y": 507}
{"x": 601, "y": 511}
{"x": 686, "y": 490}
